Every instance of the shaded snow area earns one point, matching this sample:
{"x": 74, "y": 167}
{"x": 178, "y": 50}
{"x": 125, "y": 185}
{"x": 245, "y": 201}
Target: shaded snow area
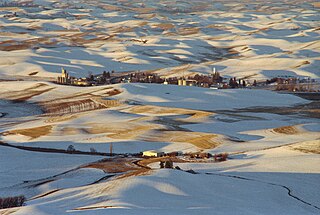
{"x": 9, "y": 109}
{"x": 28, "y": 166}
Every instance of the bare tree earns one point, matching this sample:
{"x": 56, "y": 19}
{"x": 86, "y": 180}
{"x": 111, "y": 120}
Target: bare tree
{"x": 71, "y": 148}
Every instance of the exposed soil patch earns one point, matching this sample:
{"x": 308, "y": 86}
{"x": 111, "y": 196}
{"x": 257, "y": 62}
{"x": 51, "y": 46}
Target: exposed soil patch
{"x": 81, "y": 102}
{"x": 307, "y": 147}
{"x": 119, "y": 130}
{"x": 76, "y": 106}
{"x": 72, "y": 106}
{"x": 28, "y": 93}
{"x": 60, "y": 118}
{"x": 164, "y": 26}
{"x": 188, "y": 31}
{"x": 286, "y": 130}
{"x": 127, "y": 167}
{"x": 114, "y": 165}
{"x": 31, "y": 132}
{"x": 198, "y": 139}
{"x": 132, "y": 133}
{"x": 113, "y": 92}
{"x": 157, "y": 110}
{"x": 9, "y": 211}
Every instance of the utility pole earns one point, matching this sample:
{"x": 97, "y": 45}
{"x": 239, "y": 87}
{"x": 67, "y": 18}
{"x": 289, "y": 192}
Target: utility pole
{"x": 111, "y": 147}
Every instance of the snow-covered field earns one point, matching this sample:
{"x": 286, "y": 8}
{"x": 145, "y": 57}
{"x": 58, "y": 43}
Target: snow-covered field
{"x": 273, "y": 155}
{"x": 251, "y": 39}
{"x": 273, "y": 139}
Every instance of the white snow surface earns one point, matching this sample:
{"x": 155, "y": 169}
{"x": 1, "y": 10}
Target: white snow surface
{"x": 204, "y": 99}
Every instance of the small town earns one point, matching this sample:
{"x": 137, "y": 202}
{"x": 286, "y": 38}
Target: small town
{"x": 213, "y": 81}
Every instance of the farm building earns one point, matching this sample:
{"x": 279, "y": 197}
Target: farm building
{"x": 152, "y": 153}
{"x": 64, "y": 78}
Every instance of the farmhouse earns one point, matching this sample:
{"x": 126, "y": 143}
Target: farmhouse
{"x": 152, "y": 153}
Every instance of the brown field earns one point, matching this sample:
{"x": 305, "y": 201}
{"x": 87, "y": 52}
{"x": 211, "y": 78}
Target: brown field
{"x": 124, "y": 130}
{"x": 198, "y": 139}
{"x": 14, "y": 9}
{"x": 113, "y": 92}
{"x": 286, "y": 130}
{"x": 157, "y": 110}
{"x": 312, "y": 146}
{"x": 77, "y": 105}
{"x": 132, "y": 133}
{"x": 28, "y": 93}
{"x": 69, "y": 107}
{"x": 62, "y": 118}
{"x": 9, "y": 211}
{"x": 164, "y": 26}
{"x": 31, "y": 132}
{"x": 114, "y": 165}
{"x": 188, "y": 31}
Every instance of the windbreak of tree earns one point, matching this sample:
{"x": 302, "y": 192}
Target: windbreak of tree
{"x": 10, "y": 202}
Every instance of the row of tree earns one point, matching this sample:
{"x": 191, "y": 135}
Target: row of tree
{"x": 10, "y": 202}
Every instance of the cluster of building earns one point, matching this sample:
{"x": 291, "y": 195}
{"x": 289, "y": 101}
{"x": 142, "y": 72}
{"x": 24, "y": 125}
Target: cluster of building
{"x": 214, "y": 80}
{"x": 196, "y": 155}
{"x": 199, "y": 80}
{"x": 295, "y": 84}
{"x": 66, "y": 79}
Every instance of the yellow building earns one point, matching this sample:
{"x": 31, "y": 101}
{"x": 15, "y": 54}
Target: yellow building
{"x": 184, "y": 82}
{"x": 81, "y": 82}
{"x": 152, "y": 153}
